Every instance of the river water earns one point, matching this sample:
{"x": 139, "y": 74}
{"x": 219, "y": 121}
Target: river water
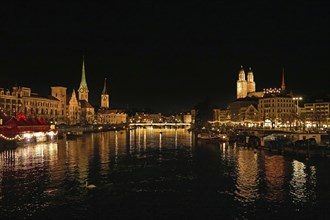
{"x": 153, "y": 173}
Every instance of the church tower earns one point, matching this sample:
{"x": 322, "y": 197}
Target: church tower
{"x": 83, "y": 89}
{"x": 251, "y": 85}
{"x": 241, "y": 84}
{"x": 283, "y": 82}
{"x": 105, "y": 96}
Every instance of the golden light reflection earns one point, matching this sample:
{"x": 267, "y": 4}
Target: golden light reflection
{"x": 131, "y": 140}
{"x": 247, "y": 177}
{"x": 176, "y": 138}
{"x": 30, "y": 156}
{"x": 275, "y": 176}
{"x": 298, "y": 182}
{"x": 139, "y": 140}
{"x": 144, "y": 139}
{"x": 116, "y": 147}
{"x": 160, "y": 141}
{"x": 155, "y": 138}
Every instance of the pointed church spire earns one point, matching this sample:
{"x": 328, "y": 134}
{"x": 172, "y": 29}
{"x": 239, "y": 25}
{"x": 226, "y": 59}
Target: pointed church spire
{"x": 283, "y": 82}
{"x": 83, "y": 83}
{"x": 104, "y": 92}
{"x": 83, "y": 89}
{"x": 105, "y": 96}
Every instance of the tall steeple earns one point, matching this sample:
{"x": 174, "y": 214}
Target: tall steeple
{"x": 83, "y": 89}
{"x": 105, "y": 96}
{"x": 283, "y": 82}
{"x": 241, "y": 75}
{"x": 241, "y": 84}
{"x": 105, "y": 87}
{"x": 251, "y": 85}
{"x": 250, "y": 75}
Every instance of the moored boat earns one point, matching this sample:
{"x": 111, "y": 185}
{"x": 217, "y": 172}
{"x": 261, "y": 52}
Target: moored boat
{"x": 207, "y": 137}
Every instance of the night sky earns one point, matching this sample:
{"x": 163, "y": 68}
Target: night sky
{"x": 166, "y": 56}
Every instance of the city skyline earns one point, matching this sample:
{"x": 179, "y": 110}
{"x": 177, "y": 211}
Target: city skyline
{"x": 166, "y": 57}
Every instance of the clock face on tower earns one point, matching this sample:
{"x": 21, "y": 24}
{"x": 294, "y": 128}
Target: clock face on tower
{"x": 81, "y": 90}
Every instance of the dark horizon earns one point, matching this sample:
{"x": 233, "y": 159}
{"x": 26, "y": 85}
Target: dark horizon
{"x": 166, "y": 57}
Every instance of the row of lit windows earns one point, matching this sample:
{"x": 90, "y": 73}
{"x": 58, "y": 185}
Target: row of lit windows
{"x": 44, "y": 104}
{"x": 317, "y": 105}
{"x": 278, "y": 105}
{"x": 8, "y": 101}
{"x": 279, "y": 110}
{"x": 273, "y": 100}
{"x": 13, "y": 104}
{"x": 40, "y": 111}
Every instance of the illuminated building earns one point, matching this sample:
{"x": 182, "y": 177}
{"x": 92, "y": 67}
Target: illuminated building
{"x": 316, "y": 114}
{"x": 59, "y": 92}
{"x": 216, "y": 115}
{"x": 40, "y": 106}
{"x": 187, "y": 118}
{"x": 251, "y": 85}
{"x": 73, "y": 109}
{"x": 273, "y": 104}
{"x": 249, "y": 114}
{"x": 277, "y": 107}
{"x": 241, "y": 84}
{"x": 105, "y": 115}
{"x": 21, "y": 99}
{"x": 11, "y": 103}
{"x": 238, "y": 108}
{"x": 105, "y": 96}
{"x": 244, "y": 87}
{"x": 111, "y": 116}
{"x": 87, "y": 110}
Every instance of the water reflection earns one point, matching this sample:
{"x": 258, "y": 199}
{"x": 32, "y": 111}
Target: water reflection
{"x": 148, "y": 163}
{"x": 303, "y": 182}
{"x": 275, "y": 177}
{"x": 247, "y": 177}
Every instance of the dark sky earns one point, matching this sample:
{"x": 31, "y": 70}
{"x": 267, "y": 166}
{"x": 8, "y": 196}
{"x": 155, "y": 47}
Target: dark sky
{"x": 165, "y": 55}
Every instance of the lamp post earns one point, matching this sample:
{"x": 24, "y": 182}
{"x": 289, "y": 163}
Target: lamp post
{"x": 297, "y": 106}
{"x": 297, "y": 99}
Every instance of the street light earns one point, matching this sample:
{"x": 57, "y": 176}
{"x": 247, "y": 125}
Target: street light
{"x": 297, "y": 99}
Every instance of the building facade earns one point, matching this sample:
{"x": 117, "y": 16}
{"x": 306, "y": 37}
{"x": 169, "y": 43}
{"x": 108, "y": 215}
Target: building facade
{"x": 278, "y": 108}
{"x": 59, "y": 93}
{"x": 316, "y": 114}
{"x": 244, "y": 87}
{"x": 22, "y": 100}
{"x": 105, "y": 115}
{"x": 73, "y": 109}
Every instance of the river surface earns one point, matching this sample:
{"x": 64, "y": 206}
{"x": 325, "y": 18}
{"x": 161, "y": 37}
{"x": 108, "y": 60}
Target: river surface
{"x": 153, "y": 173}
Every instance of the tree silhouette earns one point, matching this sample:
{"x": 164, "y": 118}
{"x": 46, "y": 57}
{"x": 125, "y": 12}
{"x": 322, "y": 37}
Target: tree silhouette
{"x": 204, "y": 113}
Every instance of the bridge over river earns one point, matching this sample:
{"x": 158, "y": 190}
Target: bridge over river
{"x": 157, "y": 124}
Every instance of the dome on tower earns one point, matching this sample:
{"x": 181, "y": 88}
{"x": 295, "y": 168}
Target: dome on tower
{"x": 241, "y": 75}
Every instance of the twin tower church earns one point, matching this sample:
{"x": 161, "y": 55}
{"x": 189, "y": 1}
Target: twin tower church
{"x": 244, "y": 87}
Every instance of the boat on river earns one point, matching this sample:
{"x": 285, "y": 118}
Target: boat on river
{"x": 207, "y": 137}
{"x": 71, "y": 135}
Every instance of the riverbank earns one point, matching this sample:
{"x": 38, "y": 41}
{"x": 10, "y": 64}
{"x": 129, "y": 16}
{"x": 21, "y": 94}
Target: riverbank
{"x": 63, "y": 130}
